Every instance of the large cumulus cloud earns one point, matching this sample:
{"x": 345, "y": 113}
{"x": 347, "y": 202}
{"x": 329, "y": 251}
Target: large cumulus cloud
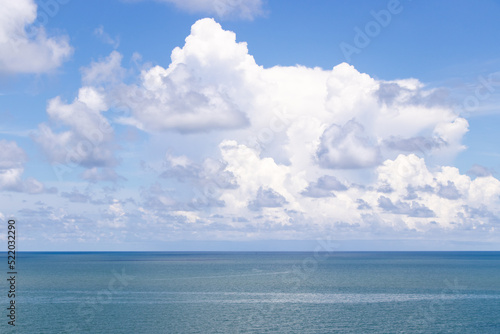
{"x": 300, "y": 150}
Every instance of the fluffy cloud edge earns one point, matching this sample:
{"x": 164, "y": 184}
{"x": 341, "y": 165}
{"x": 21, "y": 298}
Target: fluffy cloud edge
{"x": 24, "y": 45}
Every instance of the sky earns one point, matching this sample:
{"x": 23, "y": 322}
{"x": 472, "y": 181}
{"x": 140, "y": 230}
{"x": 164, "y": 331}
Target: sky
{"x": 250, "y": 124}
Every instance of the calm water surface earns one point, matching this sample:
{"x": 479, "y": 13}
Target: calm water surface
{"x": 208, "y": 292}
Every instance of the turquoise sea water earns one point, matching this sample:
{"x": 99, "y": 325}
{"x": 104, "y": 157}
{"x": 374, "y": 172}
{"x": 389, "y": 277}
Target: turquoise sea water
{"x": 208, "y": 292}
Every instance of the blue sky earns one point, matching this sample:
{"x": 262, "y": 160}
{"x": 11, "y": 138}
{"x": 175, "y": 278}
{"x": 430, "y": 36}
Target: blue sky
{"x": 249, "y": 124}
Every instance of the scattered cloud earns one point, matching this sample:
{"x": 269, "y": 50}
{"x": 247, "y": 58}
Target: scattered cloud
{"x": 107, "y": 70}
{"x": 156, "y": 197}
{"x": 114, "y": 216}
{"x": 12, "y": 160}
{"x": 106, "y": 38}
{"x": 226, "y": 9}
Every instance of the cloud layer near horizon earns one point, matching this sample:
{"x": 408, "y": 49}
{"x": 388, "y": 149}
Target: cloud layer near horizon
{"x": 299, "y": 151}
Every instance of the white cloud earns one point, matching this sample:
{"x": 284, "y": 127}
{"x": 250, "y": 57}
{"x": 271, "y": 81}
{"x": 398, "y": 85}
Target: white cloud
{"x": 243, "y": 9}
{"x": 88, "y": 141}
{"x": 416, "y": 198}
{"x": 79, "y": 134}
{"x": 21, "y": 52}
{"x": 104, "y": 71}
{"x": 445, "y": 191}
{"x": 12, "y": 160}
{"x": 187, "y": 216}
{"x": 347, "y": 147}
{"x": 341, "y": 117}
{"x": 205, "y": 87}
{"x": 11, "y": 155}
{"x": 251, "y": 174}
{"x": 304, "y": 123}
{"x": 303, "y": 151}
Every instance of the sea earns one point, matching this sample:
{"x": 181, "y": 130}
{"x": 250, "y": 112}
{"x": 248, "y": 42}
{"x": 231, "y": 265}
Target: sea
{"x": 254, "y": 292}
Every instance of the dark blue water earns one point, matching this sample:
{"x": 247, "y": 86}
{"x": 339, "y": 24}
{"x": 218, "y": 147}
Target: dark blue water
{"x": 154, "y": 292}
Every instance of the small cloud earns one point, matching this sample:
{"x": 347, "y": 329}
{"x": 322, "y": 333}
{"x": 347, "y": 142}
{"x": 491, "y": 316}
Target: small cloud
{"x": 114, "y": 216}
{"x": 12, "y": 160}
{"x": 106, "y": 38}
{"x": 228, "y": 9}
{"x": 88, "y": 139}
{"x": 411, "y": 92}
{"x": 180, "y": 168}
{"x": 107, "y": 70}
{"x": 479, "y": 171}
{"x": 186, "y": 216}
